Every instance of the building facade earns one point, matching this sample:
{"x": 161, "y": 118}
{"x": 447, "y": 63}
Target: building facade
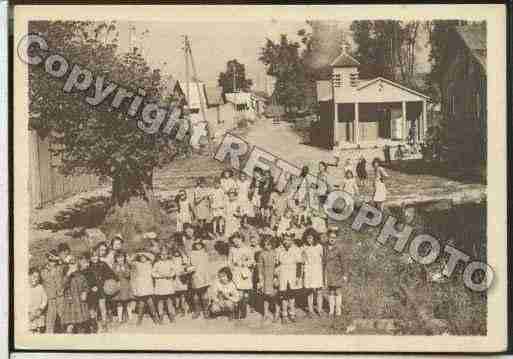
{"x": 463, "y": 95}
{"x": 373, "y": 111}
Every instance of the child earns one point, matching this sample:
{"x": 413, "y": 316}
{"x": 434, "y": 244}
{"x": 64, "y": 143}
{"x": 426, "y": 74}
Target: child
{"x": 124, "y": 296}
{"x": 285, "y": 223}
{"x": 380, "y": 190}
{"x": 101, "y": 272}
{"x": 361, "y": 171}
{"x": 92, "y": 296}
{"x": 288, "y": 259}
{"x": 350, "y": 185}
{"x": 188, "y": 238}
{"x": 337, "y": 256}
{"x": 184, "y": 210}
{"x": 232, "y": 214}
{"x": 142, "y": 286}
{"x": 254, "y": 252}
{"x": 224, "y": 296}
{"x": 227, "y": 181}
{"x": 244, "y": 189}
{"x": 312, "y": 270}
{"x": 266, "y": 276}
{"x": 240, "y": 261}
{"x": 76, "y": 312}
{"x": 53, "y": 279}
{"x": 179, "y": 262}
{"x": 348, "y": 166}
{"x": 200, "y": 279}
{"x": 38, "y": 302}
{"x": 218, "y": 200}
{"x": 163, "y": 273}
{"x": 319, "y": 225}
{"x": 201, "y": 203}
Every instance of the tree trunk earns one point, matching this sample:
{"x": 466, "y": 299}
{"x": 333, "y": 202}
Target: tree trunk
{"x": 134, "y": 208}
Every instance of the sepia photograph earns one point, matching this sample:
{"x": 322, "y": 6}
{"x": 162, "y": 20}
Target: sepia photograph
{"x": 260, "y": 178}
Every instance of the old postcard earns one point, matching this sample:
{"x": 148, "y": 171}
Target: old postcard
{"x": 260, "y": 178}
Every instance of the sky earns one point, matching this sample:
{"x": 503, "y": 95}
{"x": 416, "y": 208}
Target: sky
{"x": 215, "y": 43}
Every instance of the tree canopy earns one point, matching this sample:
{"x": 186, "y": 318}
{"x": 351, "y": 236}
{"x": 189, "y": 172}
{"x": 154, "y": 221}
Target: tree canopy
{"x": 97, "y": 139}
{"x": 234, "y": 78}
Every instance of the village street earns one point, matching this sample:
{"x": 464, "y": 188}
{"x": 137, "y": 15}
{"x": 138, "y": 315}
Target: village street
{"x": 284, "y": 142}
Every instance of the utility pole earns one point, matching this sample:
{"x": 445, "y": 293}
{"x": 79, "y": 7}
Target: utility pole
{"x": 234, "y": 73}
{"x": 187, "y": 87}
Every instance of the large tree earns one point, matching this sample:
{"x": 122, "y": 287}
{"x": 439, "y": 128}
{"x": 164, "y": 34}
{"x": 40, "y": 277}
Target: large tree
{"x": 438, "y": 31}
{"x": 234, "y": 78}
{"x": 100, "y": 139}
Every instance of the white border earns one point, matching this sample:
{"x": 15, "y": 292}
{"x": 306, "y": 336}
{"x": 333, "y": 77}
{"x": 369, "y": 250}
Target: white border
{"x": 497, "y": 316}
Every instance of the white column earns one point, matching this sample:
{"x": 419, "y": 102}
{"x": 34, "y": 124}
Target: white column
{"x": 356, "y": 124}
{"x": 335, "y": 124}
{"x": 404, "y": 134}
{"x": 424, "y": 120}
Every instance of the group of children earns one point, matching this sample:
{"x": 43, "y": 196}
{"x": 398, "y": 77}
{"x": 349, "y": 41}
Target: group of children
{"x": 277, "y": 249}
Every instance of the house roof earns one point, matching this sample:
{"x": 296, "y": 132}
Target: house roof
{"x": 214, "y": 95}
{"x": 345, "y": 60}
{"x": 368, "y": 83}
{"x": 195, "y": 101}
{"x": 324, "y": 89}
{"x": 474, "y": 38}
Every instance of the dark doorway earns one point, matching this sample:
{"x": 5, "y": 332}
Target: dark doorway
{"x": 385, "y": 127}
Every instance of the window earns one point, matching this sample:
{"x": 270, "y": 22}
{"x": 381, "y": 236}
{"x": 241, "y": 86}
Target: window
{"x": 337, "y": 80}
{"x": 354, "y": 79}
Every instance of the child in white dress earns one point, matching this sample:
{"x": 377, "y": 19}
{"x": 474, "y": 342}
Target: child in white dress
{"x": 38, "y": 302}
{"x": 380, "y": 190}
{"x": 227, "y": 181}
{"x": 163, "y": 273}
{"x": 244, "y": 188}
{"x": 240, "y": 261}
{"x": 218, "y": 200}
{"x": 312, "y": 270}
{"x": 232, "y": 214}
{"x": 184, "y": 210}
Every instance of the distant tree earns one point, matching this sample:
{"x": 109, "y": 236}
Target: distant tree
{"x": 234, "y": 78}
{"x": 98, "y": 139}
{"x": 386, "y": 48}
{"x": 283, "y": 61}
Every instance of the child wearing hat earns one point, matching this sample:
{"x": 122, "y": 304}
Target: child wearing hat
{"x": 53, "y": 279}
{"x": 124, "y": 297}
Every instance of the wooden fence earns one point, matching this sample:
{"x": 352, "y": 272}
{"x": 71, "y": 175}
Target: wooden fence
{"x": 45, "y": 182}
